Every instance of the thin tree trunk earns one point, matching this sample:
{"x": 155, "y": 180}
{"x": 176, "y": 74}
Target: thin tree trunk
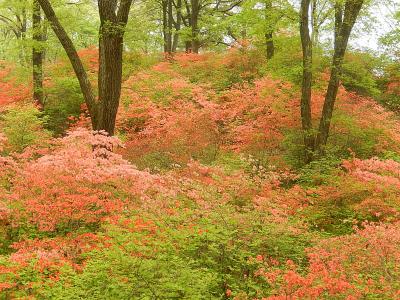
{"x": 195, "y": 26}
{"x": 170, "y": 26}
{"x": 344, "y": 23}
{"x": 315, "y": 29}
{"x": 73, "y": 56}
{"x": 177, "y": 25}
{"x": 164, "y": 4}
{"x": 307, "y": 81}
{"x": 37, "y": 54}
{"x": 269, "y": 38}
{"x": 188, "y": 23}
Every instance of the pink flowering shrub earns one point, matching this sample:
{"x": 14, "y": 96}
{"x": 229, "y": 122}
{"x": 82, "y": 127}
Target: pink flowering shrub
{"x": 81, "y": 182}
{"x": 219, "y": 205}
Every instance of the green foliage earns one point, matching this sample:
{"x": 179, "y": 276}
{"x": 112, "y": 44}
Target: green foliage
{"x": 225, "y": 70}
{"x": 331, "y": 218}
{"x": 336, "y": 213}
{"x": 320, "y": 171}
{"x": 23, "y": 127}
{"x": 359, "y": 73}
{"x": 230, "y": 162}
{"x": 287, "y": 63}
{"x": 359, "y": 140}
{"x": 346, "y": 138}
{"x": 114, "y": 274}
{"x": 64, "y": 99}
{"x": 155, "y": 161}
{"x": 180, "y": 260}
{"x": 136, "y": 61}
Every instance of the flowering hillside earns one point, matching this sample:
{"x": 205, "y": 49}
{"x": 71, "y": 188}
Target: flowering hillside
{"x": 202, "y": 193}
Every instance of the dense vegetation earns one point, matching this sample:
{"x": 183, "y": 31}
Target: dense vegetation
{"x": 207, "y": 187}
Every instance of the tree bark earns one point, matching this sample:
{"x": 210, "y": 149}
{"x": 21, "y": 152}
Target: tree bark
{"x": 164, "y": 4}
{"x": 170, "y": 26}
{"x": 37, "y": 54}
{"x": 345, "y": 19}
{"x": 113, "y": 23}
{"x": 73, "y": 56}
{"x": 195, "y": 25}
{"x": 177, "y": 25}
{"x": 113, "y": 18}
{"x": 307, "y": 80}
{"x": 269, "y": 38}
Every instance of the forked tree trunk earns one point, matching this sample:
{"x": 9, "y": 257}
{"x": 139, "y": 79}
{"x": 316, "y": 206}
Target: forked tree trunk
{"x": 113, "y": 17}
{"x": 346, "y": 14}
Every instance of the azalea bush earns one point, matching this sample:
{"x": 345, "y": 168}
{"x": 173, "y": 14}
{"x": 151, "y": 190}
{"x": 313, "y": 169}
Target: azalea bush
{"x": 202, "y": 193}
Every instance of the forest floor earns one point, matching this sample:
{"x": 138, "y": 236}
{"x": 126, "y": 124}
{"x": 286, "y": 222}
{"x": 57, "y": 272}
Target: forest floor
{"x": 202, "y": 194}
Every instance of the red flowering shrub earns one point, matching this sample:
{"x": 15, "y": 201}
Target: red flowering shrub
{"x": 10, "y": 90}
{"x": 350, "y": 267}
{"x": 81, "y": 182}
{"x": 228, "y": 216}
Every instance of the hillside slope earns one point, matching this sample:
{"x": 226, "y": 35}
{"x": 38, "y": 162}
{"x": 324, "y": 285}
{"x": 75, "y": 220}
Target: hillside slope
{"x": 206, "y": 197}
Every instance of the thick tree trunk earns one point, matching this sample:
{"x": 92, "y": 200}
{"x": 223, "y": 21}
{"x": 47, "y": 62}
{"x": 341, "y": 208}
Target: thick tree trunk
{"x": 73, "y": 56}
{"x": 344, "y": 23}
{"x": 113, "y": 16}
{"x": 269, "y": 40}
{"x": 307, "y": 81}
{"x": 37, "y": 54}
{"x": 113, "y": 23}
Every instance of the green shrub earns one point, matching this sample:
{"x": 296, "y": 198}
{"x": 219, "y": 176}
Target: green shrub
{"x": 64, "y": 100}
{"x": 23, "y": 127}
{"x": 346, "y": 138}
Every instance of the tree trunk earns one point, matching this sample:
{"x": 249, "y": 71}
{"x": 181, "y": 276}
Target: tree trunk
{"x": 73, "y": 56}
{"x": 113, "y": 22}
{"x": 170, "y": 26}
{"x": 307, "y": 81}
{"x": 270, "y": 45}
{"x": 168, "y": 19}
{"x": 177, "y": 25}
{"x": 195, "y": 26}
{"x": 269, "y": 38}
{"x": 37, "y": 55}
{"x": 344, "y": 23}
{"x": 113, "y": 17}
{"x": 164, "y": 4}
